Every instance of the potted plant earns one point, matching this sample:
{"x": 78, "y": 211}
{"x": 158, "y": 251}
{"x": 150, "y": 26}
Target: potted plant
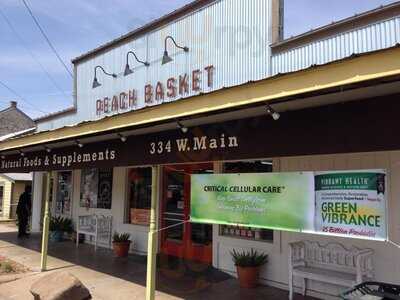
{"x": 121, "y": 244}
{"x": 55, "y": 228}
{"x": 58, "y": 226}
{"x": 67, "y": 226}
{"x": 248, "y": 265}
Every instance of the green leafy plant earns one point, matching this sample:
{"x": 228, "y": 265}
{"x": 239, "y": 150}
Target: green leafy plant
{"x": 61, "y": 224}
{"x": 121, "y": 237}
{"x": 249, "y": 258}
{"x": 67, "y": 225}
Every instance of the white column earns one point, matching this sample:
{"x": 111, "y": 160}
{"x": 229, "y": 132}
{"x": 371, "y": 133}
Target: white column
{"x": 37, "y": 200}
{"x": 218, "y": 169}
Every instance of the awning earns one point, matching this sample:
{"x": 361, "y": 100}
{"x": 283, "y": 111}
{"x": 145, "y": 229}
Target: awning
{"x": 341, "y": 128}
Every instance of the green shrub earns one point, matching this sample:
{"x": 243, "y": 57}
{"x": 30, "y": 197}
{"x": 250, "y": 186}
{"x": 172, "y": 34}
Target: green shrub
{"x": 121, "y": 237}
{"x": 67, "y": 225}
{"x": 249, "y": 258}
{"x": 61, "y": 224}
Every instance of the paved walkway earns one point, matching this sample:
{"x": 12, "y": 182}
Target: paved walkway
{"x": 113, "y": 278}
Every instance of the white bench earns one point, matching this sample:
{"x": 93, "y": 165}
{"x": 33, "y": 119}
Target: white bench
{"x": 332, "y": 263}
{"x": 100, "y": 227}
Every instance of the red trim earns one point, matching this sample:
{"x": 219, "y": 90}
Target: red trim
{"x": 186, "y": 249}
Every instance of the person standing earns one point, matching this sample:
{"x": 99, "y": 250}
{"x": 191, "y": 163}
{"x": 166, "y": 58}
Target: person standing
{"x": 24, "y": 211}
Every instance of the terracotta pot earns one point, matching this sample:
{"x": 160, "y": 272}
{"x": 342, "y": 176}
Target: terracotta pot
{"x": 248, "y": 276}
{"x": 121, "y": 249}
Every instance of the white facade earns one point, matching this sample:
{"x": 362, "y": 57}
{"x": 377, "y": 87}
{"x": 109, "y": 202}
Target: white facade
{"x": 386, "y": 255}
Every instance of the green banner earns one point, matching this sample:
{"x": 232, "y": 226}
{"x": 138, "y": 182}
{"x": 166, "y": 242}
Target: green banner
{"x": 266, "y": 200}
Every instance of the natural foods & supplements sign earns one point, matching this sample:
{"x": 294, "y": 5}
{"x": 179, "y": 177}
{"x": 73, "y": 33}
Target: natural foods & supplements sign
{"x": 345, "y": 203}
{"x": 266, "y": 200}
{"x": 351, "y": 203}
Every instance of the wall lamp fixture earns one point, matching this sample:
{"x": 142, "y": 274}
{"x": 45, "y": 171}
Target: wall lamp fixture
{"x": 272, "y": 112}
{"x": 21, "y": 153}
{"x": 183, "y": 128}
{"x": 122, "y": 137}
{"x": 166, "y": 58}
{"x": 48, "y": 150}
{"x": 79, "y": 144}
{"x": 96, "y": 83}
{"x": 3, "y": 157}
{"x": 128, "y": 70}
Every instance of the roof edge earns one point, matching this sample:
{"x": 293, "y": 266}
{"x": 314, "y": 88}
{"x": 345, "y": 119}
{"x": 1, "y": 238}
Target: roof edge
{"x": 174, "y": 15}
{"x": 54, "y": 115}
{"x": 358, "y": 20}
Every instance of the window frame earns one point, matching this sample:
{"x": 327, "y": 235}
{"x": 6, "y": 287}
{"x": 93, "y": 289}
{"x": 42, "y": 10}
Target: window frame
{"x": 127, "y": 208}
{"x": 2, "y": 187}
{"x": 220, "y": 227}
{"x": 112, "y": 189}
{"x": 55, "y": 191}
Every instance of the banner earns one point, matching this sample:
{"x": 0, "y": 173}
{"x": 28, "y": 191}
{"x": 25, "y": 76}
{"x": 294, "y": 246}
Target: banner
{"x": 344, "y": 203}
{"x": 351, "y": 203}
{"x": 267, "y": 200}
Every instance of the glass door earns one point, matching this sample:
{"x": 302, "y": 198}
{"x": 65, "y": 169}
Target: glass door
{"x": 189, "y": 240}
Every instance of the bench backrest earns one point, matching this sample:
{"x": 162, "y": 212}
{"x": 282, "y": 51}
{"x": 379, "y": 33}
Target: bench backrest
{"x": 333, "y": 256}
{"x": 90, "y": 223}
{"x": 87, "y": 223}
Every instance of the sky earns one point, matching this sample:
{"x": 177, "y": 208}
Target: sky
{"x": 32, "y": 71}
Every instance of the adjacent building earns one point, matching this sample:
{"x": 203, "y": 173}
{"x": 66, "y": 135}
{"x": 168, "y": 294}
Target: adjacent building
{"x": 13, "y": 122}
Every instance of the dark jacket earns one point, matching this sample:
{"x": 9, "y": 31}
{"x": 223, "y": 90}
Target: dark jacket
{"x": 24, "y": 205}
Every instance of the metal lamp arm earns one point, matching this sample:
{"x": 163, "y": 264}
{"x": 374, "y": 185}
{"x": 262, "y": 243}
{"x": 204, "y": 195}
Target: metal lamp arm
{"x": 138, "y": 60}
{"x": 186, "y": 49}
{"x": 104, "y": 71}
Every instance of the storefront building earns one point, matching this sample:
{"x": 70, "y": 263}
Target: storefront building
{"x": 213, "y": 88}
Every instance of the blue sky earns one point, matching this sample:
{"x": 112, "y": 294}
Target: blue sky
{"x": 77, "y": 26}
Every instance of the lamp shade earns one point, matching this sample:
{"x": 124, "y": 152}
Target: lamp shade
{"x": 95, "y": 83}
{"x": 128, "y": 70}
{"x": 166, "y": 58}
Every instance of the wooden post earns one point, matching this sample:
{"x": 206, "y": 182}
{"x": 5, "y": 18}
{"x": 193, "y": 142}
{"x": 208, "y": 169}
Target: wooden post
{"x": 46, "y": 221}
{"x": 152, "y": 239}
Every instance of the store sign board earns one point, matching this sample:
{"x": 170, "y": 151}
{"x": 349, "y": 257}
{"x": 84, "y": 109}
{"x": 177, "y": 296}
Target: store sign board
{"x": 283, "y": 201}
{"x": 157, "y": 93}
{"x": 250, "y": 138}
{"x": 345, "y": 203}
{"x": 351, "y": 203}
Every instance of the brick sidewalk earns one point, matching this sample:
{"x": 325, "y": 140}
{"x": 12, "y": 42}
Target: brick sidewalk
{"x": 112, "y": 278}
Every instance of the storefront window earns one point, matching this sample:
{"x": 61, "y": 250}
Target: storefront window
{"x": 96, "y": 188}
{"x": 64, "y": 193}
{"x": 257, "y": 234}
{"x": 139, "y": 195}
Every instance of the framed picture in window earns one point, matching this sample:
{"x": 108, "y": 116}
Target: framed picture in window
{"x": 64, "y": 193}
{"x": 96, "y": 188}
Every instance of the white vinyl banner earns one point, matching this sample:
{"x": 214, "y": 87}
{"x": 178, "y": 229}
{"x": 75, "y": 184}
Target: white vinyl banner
{"x": 351, "y": 203}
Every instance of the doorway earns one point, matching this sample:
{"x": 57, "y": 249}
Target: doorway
{"x": 191, "y": 241}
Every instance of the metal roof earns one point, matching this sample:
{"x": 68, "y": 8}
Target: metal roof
{"x": 184, "y": 10}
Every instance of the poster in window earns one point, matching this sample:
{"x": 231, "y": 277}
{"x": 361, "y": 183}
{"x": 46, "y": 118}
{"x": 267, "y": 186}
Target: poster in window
{"x": 89, "y": 187}
{"x": 105, "y": 188}
{"x": 64, "y": 193}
